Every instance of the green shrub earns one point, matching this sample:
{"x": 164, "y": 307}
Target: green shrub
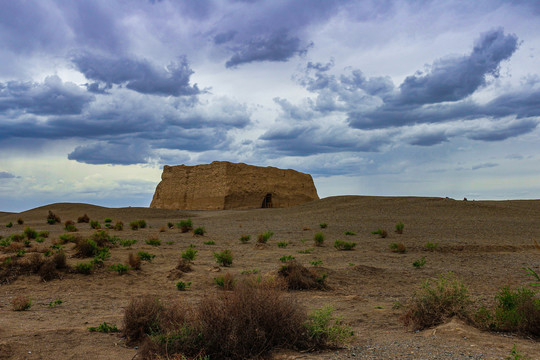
{"x": 324, "y": 330}
{"x": 27, "y": 242}
{"x": 436, "y": 301}
{"x": 244, "y": 238}
{"x": 39, "y": 240}
{"x": 83, "y": 219}
{"x": 170, "y": 225}
{"x": 121, "y": 269}
{"x": 185, "y": 225}
{"x": 382, "y": 233}
{"x": 154, "y": 241}
{"x": 86, "y": 248}
{"x": 104, "y": 328}
{"x": 84, "y": 268}
{"x": 264, "y": 237}
{"x": 134, "y": 225}
{"x": 101, "y": 255}
{"x": 319, "y": 239}
{"x": 20, "y": 221}
{"x": 94, "y": 224}
{"x": 69, "y": 225}
{"x": 199, "y": 231}
{"x": 189, "y": 254}
{"x": 316, "y": 262}
{"x": 141, "y": 223}
{"x": 286, "y": 258}
{"x": 181, "y": 286}
{"x": 21, "y": 303}
{"x": 344, "y": 245}
{"x": 43, "y": 234}
{"x": 55, "y": 303}
{"x": 225, "y": 282}
{"x": 52, "y": 218}
{"x": 20, "y": 253}
{"x": 210, "y": 242}
{"x": 350, "y": 233}
{"x": 399, "y": 227}
{"x": 516, "y": 355}
{"x": 420, "y": 262}
{"x": 30, "y": 233}
{"x": 127, "y": 242}
{"x": 107, "y": 220}
{"x": 145, "y": 256}
{"x": 398, "y": 248}
{"x": 5, "y": 242}
{"x": 533, "y": 275}
{"x": 431, "y": 246}
{"x": 119, "y": 226}
{"x": 9, "y": 224}
{"x": 323, "y": 225}
{"x": 282, "y": 244}
{"x": 224, "y": 258}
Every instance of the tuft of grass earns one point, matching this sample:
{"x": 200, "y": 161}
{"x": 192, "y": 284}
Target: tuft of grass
{"x": 21, "y": 303}
{"x": 286, "y": 258}
{"x": 323, "y": 225}
{"x": 225, "y": 282}
{"x": 350, "y": 233}
{"x": 121, "y": 269}
{"x": 305, "y": 251}
{"x": 9, "y": 224}
{"x": 344, "y": 245}
{"x": 127, "y": 242}
{"x": 326, "y": 330}
{"x": 199, "y": 231}
{"x": 382, "y": 233}
{"x": 319, "y": 239}
{"x": 429, "y": 246}
{"x": 516, "y": 355}
{"x": 142, "y": 224}
{"x": 67, "y": 238}
{"x": 69, "y": 226}
{"x": 104, "y": 328}
{"x": 264, "y": 237}
{"x": 143, "y": 255}
{"x": 437, "y": 300}
{"x": 94, "y": 224}
{"x": 282, "y": 244}
{"x": 182, "y": 286}
{"x": 398, "y": 248}
{"x": 189, "y": 254}
{"x": 84, "y": 268}
{"x": 316, "y": 262}
{"x": 134, "y": 225}
{"x": 119, "y": 226}
{"x": 185, "y": 225}
{"x": 55, "y": 303}
{"x": 153, "y": 241}
{"x": 30, "y": 233}
{"x": 245, "y": 238}
{"x": 43, "y": 234}
{"x": 419, "y": 262}
{"x": 224, "y": 258}
{"x": 107, "y": 220}
{"x": 399, "y": 227}
{"x": 209, "y": 242}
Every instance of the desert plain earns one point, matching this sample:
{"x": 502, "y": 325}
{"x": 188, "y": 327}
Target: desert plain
{"x": 485, "y": 243}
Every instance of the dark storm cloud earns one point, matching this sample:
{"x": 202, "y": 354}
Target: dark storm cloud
{"x": 6, "y": 175}
{"x": 103, "y": 152}
{"x": 504, "y": 131}
{"x": 224, "y": 37}
{"x": 137, "y": 75}
{"x": 52, "y": 97}
{"x": 278, "y": 46}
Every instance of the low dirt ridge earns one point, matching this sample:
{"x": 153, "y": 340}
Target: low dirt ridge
{"x": 486, "y": 244}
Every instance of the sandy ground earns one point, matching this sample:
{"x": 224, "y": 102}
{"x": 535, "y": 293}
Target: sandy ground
{"x": 485, "y": 243}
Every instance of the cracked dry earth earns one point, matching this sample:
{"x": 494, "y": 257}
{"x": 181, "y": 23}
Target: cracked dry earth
{"x": 486, "y": 243}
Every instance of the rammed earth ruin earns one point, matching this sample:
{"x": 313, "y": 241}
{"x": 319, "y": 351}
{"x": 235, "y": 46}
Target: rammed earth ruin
{"x": 224, "y": 185}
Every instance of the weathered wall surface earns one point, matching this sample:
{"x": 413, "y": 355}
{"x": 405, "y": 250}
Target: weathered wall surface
{"x": 224, "y": 185}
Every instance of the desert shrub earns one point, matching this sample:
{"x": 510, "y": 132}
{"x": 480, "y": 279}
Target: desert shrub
{"x": 398, "y": 248}
{"x": 17, "y": 237}
{"x": 183, "y": 265}
{"x": 349, "y": 233}
{"x": 153, "y": 241}
{"x": 298, "y": 277}
{"x": 55, "y": 303}
{"x": 21, "y": 303}
{"x": 182, "y": 286}
{"x": 323, "y": 225}
{"x": 185, "y": 225}
{"x": 282, "y": 244}
{"x": 245, "y": 238}
{"x": 209, "y": 242}
{"x": 141, "y": 318}
{"x": 107, "y": 220}
{"x": 286, "y": 258}
{"x": 319, "y": 239}
{"x": 134, "y": 225}
{"x": 100, "y": 257}
{"x": 67, "y": 238}
{"x": 143, "y": 255}
{"x": 419, "y": 262}
{"x": 142, "y": 224}
{"x": 9, "y": 224}
{"x": 305, "y": 251}
{"x": 127, "y": 242}
{"x": 104, "y": 328}
{"x": 119, "y": 226}
{"x": 134, "y": 261}
{"x": 40, "y": 240}
{"x": 316, "y": 262}
{"x": 27, "y": 242}
{"x": 47, "y": 271}
{"x": 83, "y": 219}
{"x": 344, "y": 245}
{"x": 199, "y": 231}
{"x": 224, "y": 258}
{"x": 515, "y": 310}
{"x": 170, "y": 225}
{"x": 436, "y": 301}
{"x": 84, "y": 268}
{"x": 5, "y": 242}
{"x": 429, "y": 246}
{"x": 101, "y": 238}
{"x": 43, "y": 234}
{"x": 326, "y": 331}
{"x": 20, "y": 221}
{"x": 69, "y": 225}
{"x": 382, "y": 233}
{"x": 94, "y": 224}
{"x": 86, "y": 248}
{"x": 399, "y": 227}
{"x": 189, "y": 254}
{"x": 264, "y": 237}
{"x": 121, "y": 269}
{"x": 30, "y": 233}
{"x": 59, "y": 260}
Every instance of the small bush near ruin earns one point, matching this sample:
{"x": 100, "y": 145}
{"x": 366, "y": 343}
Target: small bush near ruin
{"x": 298, "y": 277}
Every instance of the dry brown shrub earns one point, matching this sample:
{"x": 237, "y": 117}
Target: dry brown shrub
{"x": 225, "y": 281}
{"x": 14, "y": 247}
{"x": 383, "y": 234}
{"x": 21, "y": 303}
{"x": 83, "y": 219}
{"x": 141, "y": 317}
{"x": 163, "y": 229}
{"x": 53, "y": 218}
{"x": 47, "y": 271}
{"x": 134, "y": 261}
{"x": 298, "y": 277}
{"x": 35, "y": 261}
{"x": 59, "y": 260}
{"x": 184, "y": 265}
{"x": 85, "y": 248}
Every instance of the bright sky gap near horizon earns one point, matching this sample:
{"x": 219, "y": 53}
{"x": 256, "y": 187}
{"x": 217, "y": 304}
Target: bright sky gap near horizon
{"x": 404, "y": 98}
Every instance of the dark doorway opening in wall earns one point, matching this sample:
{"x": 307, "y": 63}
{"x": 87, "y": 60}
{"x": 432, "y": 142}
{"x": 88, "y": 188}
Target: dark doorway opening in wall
{"x": 267, "y": 201}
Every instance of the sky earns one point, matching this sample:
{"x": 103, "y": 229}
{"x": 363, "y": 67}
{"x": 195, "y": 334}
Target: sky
{"x": 371, "y": 97}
